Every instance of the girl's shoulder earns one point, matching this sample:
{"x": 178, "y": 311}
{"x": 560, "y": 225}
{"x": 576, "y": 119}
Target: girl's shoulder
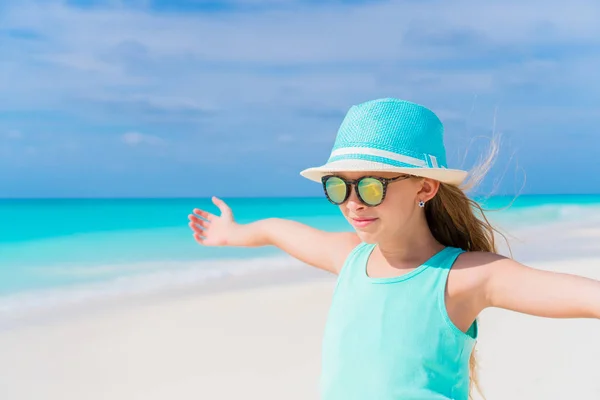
{"x": 470, "y": 274}
{"x": 476, "y": 259}
{"x": 476, "y": 264}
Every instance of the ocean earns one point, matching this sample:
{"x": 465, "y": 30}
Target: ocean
{"x": 55, "y": 251}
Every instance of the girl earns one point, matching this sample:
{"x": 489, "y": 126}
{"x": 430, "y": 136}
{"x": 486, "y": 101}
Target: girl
{"x": 418, "y": 269}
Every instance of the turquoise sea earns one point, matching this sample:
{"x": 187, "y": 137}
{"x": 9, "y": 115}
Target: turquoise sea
{"x": 55, "y": 250}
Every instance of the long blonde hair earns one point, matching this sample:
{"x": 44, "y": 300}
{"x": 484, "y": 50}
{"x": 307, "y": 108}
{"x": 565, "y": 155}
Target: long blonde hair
{"x": 458, "y": 221}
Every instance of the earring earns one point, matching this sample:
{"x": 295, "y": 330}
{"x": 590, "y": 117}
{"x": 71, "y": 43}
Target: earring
{"x": 421, "y": 203}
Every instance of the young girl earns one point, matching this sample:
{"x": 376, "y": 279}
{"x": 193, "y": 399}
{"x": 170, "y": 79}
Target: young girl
{"x": 418, "y": 269}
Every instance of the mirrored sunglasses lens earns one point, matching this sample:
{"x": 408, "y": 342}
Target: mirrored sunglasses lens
{"x": 371, "y": 191}
{"x": 336, "y": 189}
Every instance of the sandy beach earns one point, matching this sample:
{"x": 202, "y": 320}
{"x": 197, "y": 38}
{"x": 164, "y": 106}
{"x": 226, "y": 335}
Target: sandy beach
{"x": 263, "y": 342}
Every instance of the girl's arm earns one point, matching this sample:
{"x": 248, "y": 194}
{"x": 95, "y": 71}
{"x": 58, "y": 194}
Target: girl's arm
{"x": 324, "y": 250}
{"x": 511, "y": 285}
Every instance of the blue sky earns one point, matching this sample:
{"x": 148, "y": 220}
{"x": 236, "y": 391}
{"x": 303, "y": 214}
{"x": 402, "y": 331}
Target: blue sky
{"x": 194, "y": 98}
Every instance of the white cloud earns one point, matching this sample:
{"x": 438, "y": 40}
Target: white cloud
{"x": 285, "y": 138}
{"x": 82, "y": 62}
{"x": 14, "y": 134}
{"x": 137, "y": 138}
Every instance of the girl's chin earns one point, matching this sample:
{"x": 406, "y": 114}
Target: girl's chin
{"x": 367, "y": 237}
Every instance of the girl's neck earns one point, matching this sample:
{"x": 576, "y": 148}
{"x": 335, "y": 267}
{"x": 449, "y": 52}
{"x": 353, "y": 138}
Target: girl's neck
{"x": 408, "y": 248}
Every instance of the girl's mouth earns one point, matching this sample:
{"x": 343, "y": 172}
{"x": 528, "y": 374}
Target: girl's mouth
{"x": 362, "y": 222}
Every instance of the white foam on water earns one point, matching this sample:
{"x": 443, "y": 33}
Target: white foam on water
{"x": 524, "y": 217}
{"x": 164, "y": 276}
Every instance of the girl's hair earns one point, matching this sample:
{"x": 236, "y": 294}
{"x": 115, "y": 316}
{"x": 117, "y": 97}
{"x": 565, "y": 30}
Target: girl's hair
{"x": 458, "y": 221}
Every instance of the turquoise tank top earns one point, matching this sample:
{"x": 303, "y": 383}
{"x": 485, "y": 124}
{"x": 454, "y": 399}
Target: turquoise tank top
{"x": 391, "y": 338}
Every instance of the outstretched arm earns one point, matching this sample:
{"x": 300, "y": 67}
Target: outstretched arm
{"x": 321, "y": 249}
{"x": 517, "y": 287}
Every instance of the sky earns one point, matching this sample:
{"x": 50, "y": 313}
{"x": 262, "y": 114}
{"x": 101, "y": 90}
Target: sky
{"x": 180, "y": 98}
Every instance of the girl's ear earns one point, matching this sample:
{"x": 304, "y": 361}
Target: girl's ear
{"x": 429, "y": 188}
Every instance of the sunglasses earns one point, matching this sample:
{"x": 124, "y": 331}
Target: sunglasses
{"x": 370, "y": 190}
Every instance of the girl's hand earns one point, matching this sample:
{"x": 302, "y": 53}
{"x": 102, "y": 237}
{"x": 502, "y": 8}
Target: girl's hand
{"x": 324, "y": 250}
{"x": 212, "y": 230}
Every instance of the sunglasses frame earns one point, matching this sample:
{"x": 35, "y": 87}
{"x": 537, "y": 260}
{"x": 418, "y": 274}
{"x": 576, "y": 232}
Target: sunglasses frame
{"x": 354, "y": 182}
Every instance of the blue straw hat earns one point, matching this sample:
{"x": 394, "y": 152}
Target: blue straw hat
{"x": 389, "y": 135}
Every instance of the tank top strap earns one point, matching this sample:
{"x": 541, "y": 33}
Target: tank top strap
{"x": 444, "y": 263}
{"x": 355, "y": 262}
{"x": 442, "y": 268}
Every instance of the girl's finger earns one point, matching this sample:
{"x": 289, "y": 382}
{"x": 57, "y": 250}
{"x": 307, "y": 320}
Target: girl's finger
{"x": 196, "y": 228}
{"x": 202, "y": 222}
{"x": 199, "y": 238}
{"x": 204, "y": 214}
{"x": 223, "y": 207}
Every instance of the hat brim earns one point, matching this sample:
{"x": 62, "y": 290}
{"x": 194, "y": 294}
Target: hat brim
{"x": 450, "y": 176}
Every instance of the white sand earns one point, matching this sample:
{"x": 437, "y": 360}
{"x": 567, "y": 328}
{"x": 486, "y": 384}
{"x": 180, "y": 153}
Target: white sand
{"x": 264, "y": 343}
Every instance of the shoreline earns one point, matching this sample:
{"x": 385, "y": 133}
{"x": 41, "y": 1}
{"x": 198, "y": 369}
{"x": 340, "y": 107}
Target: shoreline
{"x": 533, "y": 246}
{"x": 289, "y": 275}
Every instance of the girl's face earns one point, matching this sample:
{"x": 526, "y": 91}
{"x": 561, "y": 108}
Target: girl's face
{"x": 398, "y": 209}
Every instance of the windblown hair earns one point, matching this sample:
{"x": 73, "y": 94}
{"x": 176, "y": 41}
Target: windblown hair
{"x": 458, "y": 221}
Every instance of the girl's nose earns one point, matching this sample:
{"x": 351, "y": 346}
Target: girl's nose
{"x": 353, "y": 204}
